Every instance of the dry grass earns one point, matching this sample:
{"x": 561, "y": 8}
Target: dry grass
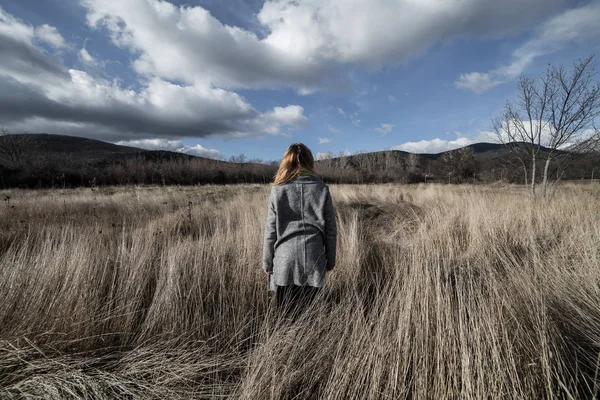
{"x": 440, "y": 292}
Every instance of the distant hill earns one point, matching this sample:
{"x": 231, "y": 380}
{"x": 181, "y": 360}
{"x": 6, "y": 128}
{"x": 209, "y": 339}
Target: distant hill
{"x": 379, "y": 159}
{"x": 93, "y": 150}
{"x": 59, "y": 160}
{"x": 486, "y": 162}
{"x": 79, "y": 146}
{"x": 44, "y": 160}
{"x": 483, "y": 148}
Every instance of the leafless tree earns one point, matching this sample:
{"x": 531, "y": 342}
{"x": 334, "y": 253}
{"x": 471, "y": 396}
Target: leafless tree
{"x": 552, "y": 119}
{"x": 365, "y": 163}
{"x": 240, "y": 159}
{"x": 412, "y": 162}
{"x": 459, "y": 164}
{"x": 15, "y": 149}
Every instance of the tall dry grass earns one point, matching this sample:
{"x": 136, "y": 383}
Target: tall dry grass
{"x": 439, "y": 292}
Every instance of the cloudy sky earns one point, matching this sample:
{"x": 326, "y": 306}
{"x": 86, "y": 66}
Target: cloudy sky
{"x": 219, "y": 78}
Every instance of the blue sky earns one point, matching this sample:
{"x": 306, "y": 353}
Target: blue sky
{"x": 219, "y": 78}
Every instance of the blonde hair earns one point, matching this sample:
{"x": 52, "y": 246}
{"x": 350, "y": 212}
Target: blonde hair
{"x": 296, "y": 157}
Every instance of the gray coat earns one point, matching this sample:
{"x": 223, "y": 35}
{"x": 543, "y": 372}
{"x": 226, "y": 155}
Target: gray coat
{"x": 300, "y": 234}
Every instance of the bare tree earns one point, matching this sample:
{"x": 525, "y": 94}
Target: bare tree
{"x": 240, "y": 159}
{"x": 412, "y": 162}
{"x": 459, "y": 164}
{"x": 366, "y": 164}
{"x": 15, "y": 150}
{"x": 552, "y": 119}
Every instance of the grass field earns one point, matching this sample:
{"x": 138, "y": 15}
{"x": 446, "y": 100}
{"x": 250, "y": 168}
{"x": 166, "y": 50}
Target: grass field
{"x": 462, "y": 292}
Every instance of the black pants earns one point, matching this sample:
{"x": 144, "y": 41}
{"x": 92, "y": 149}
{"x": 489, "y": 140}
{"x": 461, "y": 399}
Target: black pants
{"x": 292, "y": 299}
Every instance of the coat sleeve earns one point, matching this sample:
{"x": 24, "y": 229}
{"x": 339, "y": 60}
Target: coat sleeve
{"x": 270, "y": 235}
{"x": 330, "y": 232}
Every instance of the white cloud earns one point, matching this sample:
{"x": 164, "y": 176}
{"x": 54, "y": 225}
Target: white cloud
{"x": 22, "y": 59}
{"x": 327, "y": 154}
{"x": 86, "y": 57}
{"x": 304, "y": 40}
{"x": 273, "y": 121}
{"x": 384, "y": 129}
{"x": 172, "y": 145}
{"x": 324, "y": 156}
{"x": 524, "y": 132}
{"x": 188, "y": 44}
{"x": 352, "y": 117}
{"x": 50, "y": 35}
{"x": 438, "y": 145}
{"x": 574, "y": 25}
{"x": 159, "y": 107}
{"x": 476, "y": 81}
{"x": 433, "y": 146}
{"x": 305, "y": 91}
{"x": 152, "y": 144}
{"x": 13, "y": 27}
{"x": 38, "y": 92}
{"x": 392, "y": 99}
{"x": 374, "y": 31}
{"x": 290, "y": 115}
{"x": 200, "y": 151}
{"x": 302, "y": 47}
{"x": 324, "y": 140}
{"x": 332, "y": 129}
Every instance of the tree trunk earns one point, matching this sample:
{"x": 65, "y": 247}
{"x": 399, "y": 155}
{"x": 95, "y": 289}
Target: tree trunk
{"x": 533, "y": 177}
{"x": 545, "y": 179}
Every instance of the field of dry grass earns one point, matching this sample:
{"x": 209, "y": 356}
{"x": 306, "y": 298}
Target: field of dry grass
{"x": 462, "y": 292}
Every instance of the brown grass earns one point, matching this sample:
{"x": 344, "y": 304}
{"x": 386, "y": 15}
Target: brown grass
{"x": 439, "y": 292}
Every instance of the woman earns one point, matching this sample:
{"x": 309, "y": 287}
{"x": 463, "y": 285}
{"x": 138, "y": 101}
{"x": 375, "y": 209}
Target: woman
{"x": 300, "y": 235}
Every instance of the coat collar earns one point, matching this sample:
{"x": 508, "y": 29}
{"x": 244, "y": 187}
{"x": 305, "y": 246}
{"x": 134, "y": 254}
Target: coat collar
{"x": 306, "y": 178}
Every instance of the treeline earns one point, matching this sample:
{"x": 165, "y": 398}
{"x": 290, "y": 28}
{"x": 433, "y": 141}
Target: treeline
{"x": 165, "y": 168}
{"x": 457, "y": 166}
{"x": 395, "y": 166}
{"x": 376, "y": 167}
{"x": 54, "y": 172}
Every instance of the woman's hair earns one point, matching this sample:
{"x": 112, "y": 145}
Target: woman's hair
{"x": 296, "y": 156}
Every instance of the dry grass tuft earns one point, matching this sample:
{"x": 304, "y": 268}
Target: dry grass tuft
{"x": 440, "y": 292}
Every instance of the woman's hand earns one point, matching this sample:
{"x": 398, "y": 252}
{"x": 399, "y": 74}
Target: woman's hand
{"x": 268, "y": 272}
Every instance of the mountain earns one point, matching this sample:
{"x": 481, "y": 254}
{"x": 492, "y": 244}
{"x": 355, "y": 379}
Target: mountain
{"x": 482, "y": 162}
{"x": 42, "y": 160}
{"x": 79, "y": 146}
{"x": 91, "y": 150}
{"x": 381, "y": 159}
{"x": 486, "y": 149}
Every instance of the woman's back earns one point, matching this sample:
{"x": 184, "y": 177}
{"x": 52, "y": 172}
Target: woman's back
{"x": 300, "y": 234}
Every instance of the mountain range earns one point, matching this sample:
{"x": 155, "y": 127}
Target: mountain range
{"x": 44, "y": 160}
